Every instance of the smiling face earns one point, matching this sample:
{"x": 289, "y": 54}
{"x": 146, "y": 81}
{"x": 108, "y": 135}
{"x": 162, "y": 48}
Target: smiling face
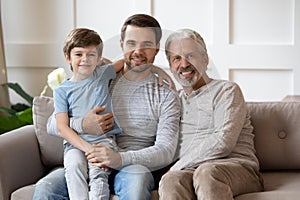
{"x": 188, "y": 62}
{"x": 83, "y": 61}
{"x": 139, "y": 48}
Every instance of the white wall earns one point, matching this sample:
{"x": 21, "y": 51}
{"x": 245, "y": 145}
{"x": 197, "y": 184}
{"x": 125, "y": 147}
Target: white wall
{"x": 252, "y": 42}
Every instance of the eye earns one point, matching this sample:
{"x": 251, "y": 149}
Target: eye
{"x": 91, "y": 54}
{"x": 78, "y": 54}
{"x": 130, "y": 43}
{"x": 147, "y": 45}
{"x": 177, "y": 58}
{"x": 189, "y": 56}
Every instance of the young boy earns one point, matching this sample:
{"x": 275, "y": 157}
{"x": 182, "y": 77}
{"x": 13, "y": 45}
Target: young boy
{"x": 85, "y": 90}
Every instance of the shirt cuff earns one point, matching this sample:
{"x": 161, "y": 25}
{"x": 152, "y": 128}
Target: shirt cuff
{"x": 76, "y": 124}
{"x": 126, "y": 158}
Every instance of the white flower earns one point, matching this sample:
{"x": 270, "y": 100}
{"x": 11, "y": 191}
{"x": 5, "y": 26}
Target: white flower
{"x": 55, "y": 78}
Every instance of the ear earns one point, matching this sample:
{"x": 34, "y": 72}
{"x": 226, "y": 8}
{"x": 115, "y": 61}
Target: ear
{"x": 206, "y": 60}
{"x": 121, "y": 44}
{"x": 157, "y": 48}
{"x": 68, "y": 60}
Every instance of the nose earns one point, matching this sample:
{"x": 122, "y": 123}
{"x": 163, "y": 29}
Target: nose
{"x": 84, "y": 57}
{"x": 138, "y": 49}
{"x": 184, "y": 63}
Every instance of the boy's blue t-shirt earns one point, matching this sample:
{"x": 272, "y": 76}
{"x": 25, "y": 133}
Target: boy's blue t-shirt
{"x": 78, "y": 98}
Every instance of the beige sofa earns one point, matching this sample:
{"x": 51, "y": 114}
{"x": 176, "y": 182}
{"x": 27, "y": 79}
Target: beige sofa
{"x": 28, "y": 153}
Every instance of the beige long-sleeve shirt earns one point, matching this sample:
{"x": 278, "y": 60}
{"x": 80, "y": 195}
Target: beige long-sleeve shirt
{"x": 215, "y": 124}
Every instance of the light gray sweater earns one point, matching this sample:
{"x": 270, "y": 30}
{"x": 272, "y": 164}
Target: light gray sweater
{"x": 149, "y": 116}
{"x": 215, "y": 124}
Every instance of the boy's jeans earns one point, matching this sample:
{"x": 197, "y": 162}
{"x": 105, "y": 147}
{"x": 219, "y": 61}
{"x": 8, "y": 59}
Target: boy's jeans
{"x": 84, "y": 181}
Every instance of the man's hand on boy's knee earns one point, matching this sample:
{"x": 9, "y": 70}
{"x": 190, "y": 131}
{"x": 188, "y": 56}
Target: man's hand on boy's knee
{"x": 97, "y": 124}
{"x": 104, "y": 157}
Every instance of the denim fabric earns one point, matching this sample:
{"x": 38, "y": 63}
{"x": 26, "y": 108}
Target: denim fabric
{"x": 134, "y": 182}
{"x": 83, "y": 177}
{"x": 76, "y": 173}
{"x": 52, "y": 187}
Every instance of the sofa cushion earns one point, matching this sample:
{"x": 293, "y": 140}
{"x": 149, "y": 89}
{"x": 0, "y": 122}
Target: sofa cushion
{"x": 283, "y": 185}
{"x": 23, "y": 193}
{"x": 51, "y": 147}
{"x": 277, "y": 136}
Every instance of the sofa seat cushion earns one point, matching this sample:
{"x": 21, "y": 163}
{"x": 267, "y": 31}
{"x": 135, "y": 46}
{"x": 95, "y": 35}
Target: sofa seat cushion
{"x": 27, "y": 193}
{"x": 23, "y": 193}
{"x": 278, "y": 185}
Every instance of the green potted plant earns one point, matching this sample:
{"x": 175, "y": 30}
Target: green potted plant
{"x": 20, "y": 114}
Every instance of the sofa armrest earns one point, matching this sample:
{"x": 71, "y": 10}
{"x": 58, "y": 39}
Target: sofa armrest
{"x": 20, "y": 162}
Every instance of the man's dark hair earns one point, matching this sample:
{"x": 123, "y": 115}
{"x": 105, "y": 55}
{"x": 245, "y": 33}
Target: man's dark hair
{"x": 142, "y": 20}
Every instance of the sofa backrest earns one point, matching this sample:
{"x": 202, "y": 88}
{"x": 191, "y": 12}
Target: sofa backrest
{"x": 276, "y": 129}
{"x": 277, "y": 134}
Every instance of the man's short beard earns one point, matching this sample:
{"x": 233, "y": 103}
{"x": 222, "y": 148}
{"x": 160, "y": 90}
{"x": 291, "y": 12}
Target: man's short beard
{"x": 137, "y": 68}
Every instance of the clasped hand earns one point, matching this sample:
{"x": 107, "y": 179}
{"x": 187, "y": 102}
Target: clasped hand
{"x": 103, "y": 156}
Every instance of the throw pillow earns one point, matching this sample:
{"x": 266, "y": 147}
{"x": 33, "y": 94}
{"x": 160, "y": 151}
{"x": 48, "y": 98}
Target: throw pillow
{"x": 51, "y": 147}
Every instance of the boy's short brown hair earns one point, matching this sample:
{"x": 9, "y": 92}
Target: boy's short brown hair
{"x": 82, "y": 37}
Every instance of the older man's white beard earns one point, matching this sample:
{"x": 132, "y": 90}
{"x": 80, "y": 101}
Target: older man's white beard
{"x": 186, "y": 82}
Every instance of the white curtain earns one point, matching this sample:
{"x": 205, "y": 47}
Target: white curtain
{"x": 4, "y": 98}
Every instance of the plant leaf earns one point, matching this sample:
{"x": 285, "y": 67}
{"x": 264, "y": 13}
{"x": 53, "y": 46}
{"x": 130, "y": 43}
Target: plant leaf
{"x": 25, "y": 116}
{"x": 8, "y": 111}
{"x": 19, "y": 107}
{"x": 18, "y": 89}
{"x": 10, "y": 123}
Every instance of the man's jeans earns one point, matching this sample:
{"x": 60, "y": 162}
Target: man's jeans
{"x": 132, "y": 182}
{"x": 52, "y": 187}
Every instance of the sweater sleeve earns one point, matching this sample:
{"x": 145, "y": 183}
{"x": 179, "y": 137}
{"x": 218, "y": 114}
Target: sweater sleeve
{"x": 75, "y": 124}
{"x": 228, "y": 116}
{"x": 162, "y": 152}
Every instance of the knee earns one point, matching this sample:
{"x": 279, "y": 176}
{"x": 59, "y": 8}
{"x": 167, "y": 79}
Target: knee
{"x": 206, "y": 173}
{"x": 136, "y": 173}
{"x": 136, "y": 177}
{"x": 170, "y": 178}
{"x": 75, "y": 166}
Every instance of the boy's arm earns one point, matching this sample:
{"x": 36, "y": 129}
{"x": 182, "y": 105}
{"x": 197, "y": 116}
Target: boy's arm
{"x": 103, "y": 61}
{"x": 68, "y": 134}
{"x": 118, "y": 65}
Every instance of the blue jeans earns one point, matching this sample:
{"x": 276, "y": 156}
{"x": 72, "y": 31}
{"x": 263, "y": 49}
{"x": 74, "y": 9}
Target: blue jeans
{"x": 52, "y": 187}
{"x": 131, "y": 182}
{"x": 134, "y": 182}
{"x": 77, "y": 172}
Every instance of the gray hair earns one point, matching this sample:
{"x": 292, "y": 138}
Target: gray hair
{"x": 183, "y": 34}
